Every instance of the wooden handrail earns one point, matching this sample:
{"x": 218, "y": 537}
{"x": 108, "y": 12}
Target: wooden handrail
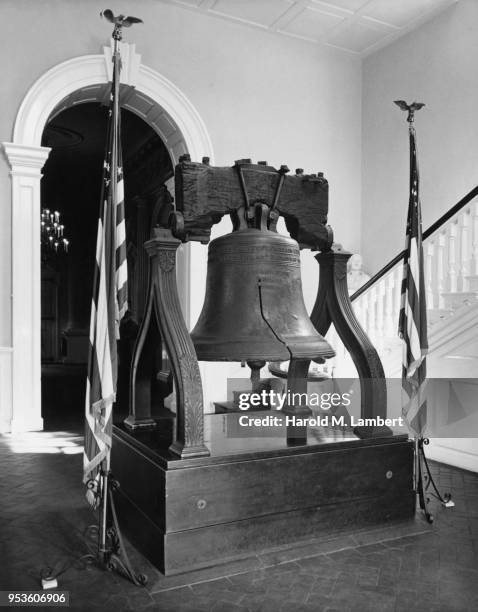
{"x": 428, "y": 232}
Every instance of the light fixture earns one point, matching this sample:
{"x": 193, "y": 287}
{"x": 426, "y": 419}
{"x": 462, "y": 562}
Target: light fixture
{"x": 52, "y": 232}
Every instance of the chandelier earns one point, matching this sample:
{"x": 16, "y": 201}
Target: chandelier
{"x": 52, "y": 232}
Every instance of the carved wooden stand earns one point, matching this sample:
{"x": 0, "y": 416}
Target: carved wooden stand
{"x": 333, "y": 306}
{"x": 144, "y": 365}
{"x": 189, "y": 419}
{"x": 205, "y": 194}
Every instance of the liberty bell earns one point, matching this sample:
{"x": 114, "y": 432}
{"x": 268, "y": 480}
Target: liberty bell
{"x": 254, "y": 308}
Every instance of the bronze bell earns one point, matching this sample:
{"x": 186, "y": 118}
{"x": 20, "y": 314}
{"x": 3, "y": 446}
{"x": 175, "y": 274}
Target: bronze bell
{"x": 254, "y": 307}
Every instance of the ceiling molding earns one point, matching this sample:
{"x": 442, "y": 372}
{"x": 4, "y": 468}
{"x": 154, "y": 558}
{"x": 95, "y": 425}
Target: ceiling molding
{"x": 355, "y": 27}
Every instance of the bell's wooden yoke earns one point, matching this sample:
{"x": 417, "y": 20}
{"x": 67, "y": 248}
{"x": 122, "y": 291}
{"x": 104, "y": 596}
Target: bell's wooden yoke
{"x": 204, "y": 194}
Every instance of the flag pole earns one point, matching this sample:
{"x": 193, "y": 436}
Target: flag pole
{"x": 413, "y": 330}
{"x": 105, "y": 465}
{"x": 104, "y": 539}
{"x": 110, "y": 551}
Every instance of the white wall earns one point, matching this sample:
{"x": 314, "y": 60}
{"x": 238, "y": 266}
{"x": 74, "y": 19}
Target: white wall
{"x": 435, "y": 64}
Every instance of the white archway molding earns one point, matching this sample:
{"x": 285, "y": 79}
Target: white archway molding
{"x": 90, "y": 70}
{"x": 26, "y": 157}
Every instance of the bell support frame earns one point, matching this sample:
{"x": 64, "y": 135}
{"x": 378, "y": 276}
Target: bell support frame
{"x": 205, "y": 194}
{"x": 189, "y": 440}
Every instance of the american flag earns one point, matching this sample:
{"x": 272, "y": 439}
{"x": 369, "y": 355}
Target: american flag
{"x": 412, "y": 326}
{"x": 109, "y": 301}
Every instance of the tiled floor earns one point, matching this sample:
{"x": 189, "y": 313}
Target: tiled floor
{"x": 400, "y": 567}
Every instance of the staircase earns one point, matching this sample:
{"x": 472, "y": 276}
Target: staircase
{"x": 451, "y": 276}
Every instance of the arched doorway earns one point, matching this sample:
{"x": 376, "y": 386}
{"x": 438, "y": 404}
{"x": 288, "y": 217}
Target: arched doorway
{"x": 71, "y": 186}
{"x": 161, "y": 104}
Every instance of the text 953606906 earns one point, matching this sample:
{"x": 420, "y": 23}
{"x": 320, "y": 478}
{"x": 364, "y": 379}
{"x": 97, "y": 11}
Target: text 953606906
{"x": 34, "y": 598}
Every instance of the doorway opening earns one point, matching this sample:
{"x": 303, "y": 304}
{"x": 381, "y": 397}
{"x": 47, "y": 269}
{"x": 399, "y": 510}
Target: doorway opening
{"x": 71, "y": 186}
{"x": 82, "y": 79}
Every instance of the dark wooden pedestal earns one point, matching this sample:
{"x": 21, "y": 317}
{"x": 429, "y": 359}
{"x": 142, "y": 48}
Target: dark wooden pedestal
{"x": 185, "y": 514}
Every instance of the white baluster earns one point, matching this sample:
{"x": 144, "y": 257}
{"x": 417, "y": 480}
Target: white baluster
{"x": 452, "y": 273}
{"x": 337, "y": 343}
{"x": 398, "y": 273}
{"x": 364, "y": 309}
{"x": 371, "y": 314}
{"x": 357, "y": 308}
{"x": 379, "y": 320}
{"x": 464, "y": 250}
{"x": 390, "y": 324}
{"x": 338, "y": 363}
{"x": 474, "y": 250}
{"x": 429, "y": 248}
{"x": 440, "y": 269}
{"x": 330, "y": 337}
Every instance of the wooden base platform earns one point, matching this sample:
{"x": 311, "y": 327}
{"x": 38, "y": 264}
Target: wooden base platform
{"x": 253, "y": 494}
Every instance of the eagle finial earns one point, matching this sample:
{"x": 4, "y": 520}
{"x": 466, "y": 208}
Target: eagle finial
{"x": 411, "y": 108}
{"x": 120, "y": 21}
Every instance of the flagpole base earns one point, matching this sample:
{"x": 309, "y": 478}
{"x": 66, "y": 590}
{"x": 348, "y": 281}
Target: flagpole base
{"x": 104, "y": 540}
{"x": 423, "y": 480}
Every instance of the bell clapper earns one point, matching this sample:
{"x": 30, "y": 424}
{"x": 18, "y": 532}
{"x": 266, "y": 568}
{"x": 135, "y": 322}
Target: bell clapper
{"x": 256, "y": 367}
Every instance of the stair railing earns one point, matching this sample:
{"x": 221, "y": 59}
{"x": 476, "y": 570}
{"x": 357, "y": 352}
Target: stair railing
{"x": 451, "y": 280}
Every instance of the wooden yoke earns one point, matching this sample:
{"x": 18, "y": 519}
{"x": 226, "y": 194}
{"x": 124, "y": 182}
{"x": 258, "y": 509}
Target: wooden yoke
{"x": 204, "y": 194}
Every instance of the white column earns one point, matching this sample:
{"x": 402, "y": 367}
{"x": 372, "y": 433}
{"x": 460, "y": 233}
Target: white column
{"x": 26, "y": 163}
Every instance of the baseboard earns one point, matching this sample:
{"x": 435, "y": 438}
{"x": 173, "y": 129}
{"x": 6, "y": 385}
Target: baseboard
{"x": 5, "y": 389}
{"x": 452, "y": 456}
{"x": 5, "y": 426}
{"x": 18, "y": 425}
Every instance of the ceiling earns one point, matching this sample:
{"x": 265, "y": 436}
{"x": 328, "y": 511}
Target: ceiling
{"x": 358, "y": 27}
